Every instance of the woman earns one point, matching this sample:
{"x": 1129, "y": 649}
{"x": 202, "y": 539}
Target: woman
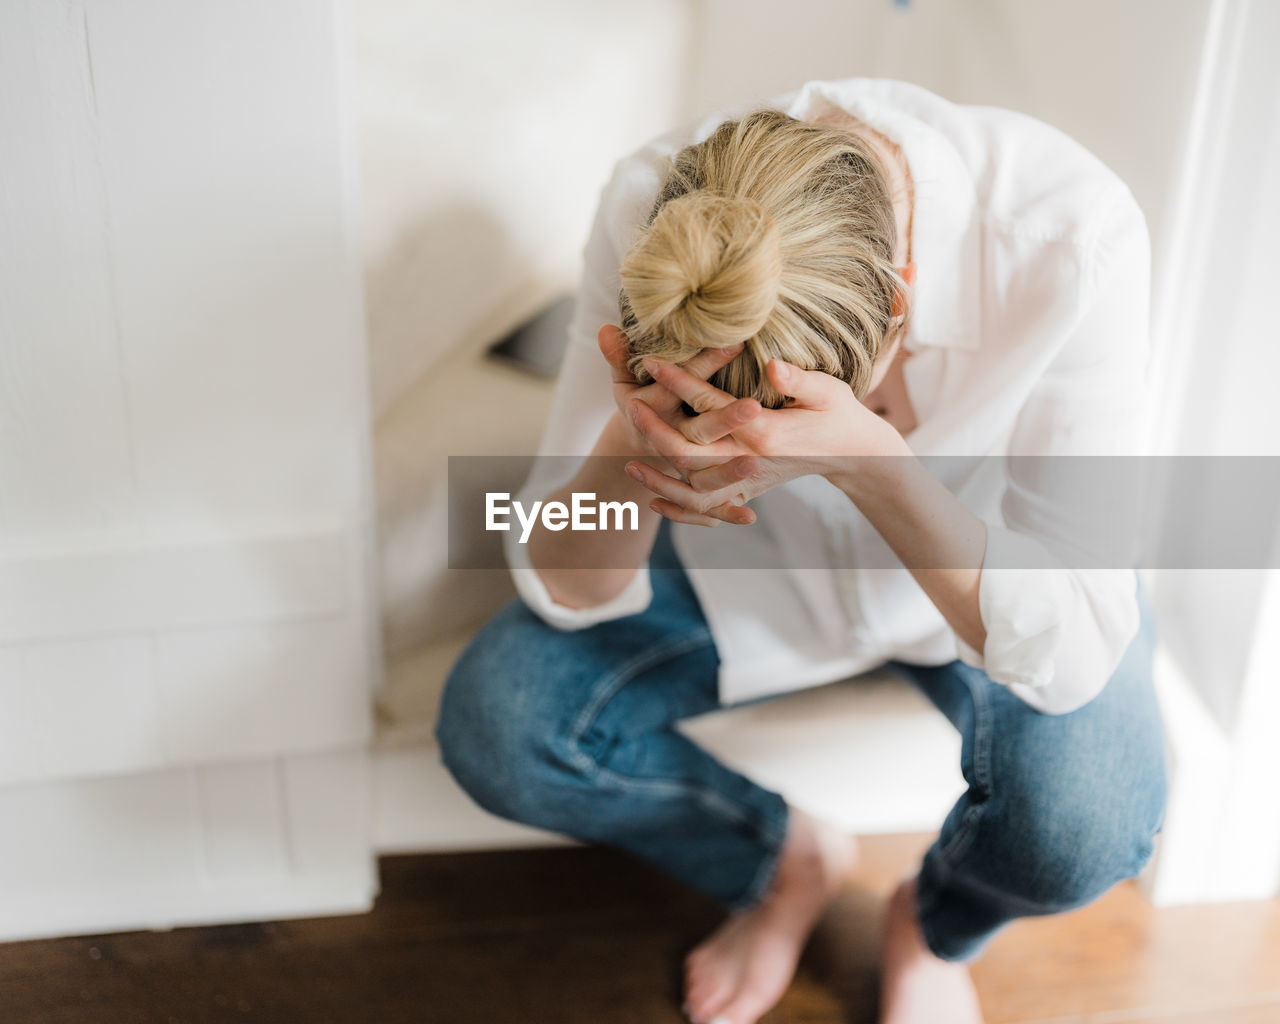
{"x": 815, "y": 299}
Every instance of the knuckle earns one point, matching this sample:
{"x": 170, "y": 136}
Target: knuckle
{"x": 696, "y": 432}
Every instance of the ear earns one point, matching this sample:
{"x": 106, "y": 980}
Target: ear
{"x": 613, "y": 345}
{"x": 908, "y": 274}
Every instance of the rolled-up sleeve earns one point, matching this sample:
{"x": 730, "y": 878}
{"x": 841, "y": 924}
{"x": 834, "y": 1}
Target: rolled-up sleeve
{"x": 633, "y": 598}
{"x": 583, "y": 398}
{"x": 1058, "y": 603}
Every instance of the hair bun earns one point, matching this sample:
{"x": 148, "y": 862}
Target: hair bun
{"x": 705, "y": 273}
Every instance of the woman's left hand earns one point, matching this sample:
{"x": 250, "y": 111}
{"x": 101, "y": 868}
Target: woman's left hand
{"x": 822, "y": 429}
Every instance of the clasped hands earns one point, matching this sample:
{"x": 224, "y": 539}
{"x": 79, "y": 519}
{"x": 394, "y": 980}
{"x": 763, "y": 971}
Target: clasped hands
{"x": 734, "y": 449}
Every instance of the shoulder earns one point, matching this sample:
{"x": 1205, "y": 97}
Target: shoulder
{"x": 1027, "y": 177}
{"x": 1053, "y": 216}
{"x": 1035, "y": 181}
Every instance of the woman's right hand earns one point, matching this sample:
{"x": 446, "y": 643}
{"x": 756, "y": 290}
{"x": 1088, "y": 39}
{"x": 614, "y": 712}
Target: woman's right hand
{"x": 707, "y": 429}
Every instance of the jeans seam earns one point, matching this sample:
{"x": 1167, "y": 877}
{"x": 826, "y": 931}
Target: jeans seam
{"x": 1028, "y": 907}
{"x": 705, "y": 795}
{"x": 943, "y": 860}
{"x": 605, "y": 690}
{"x": 965, "y": 834}
{"x": 609, "y": 685}
{"x": 759, "y": 885}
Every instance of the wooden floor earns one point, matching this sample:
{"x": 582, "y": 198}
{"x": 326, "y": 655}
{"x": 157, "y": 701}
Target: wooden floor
{"x": 586, "y": 936}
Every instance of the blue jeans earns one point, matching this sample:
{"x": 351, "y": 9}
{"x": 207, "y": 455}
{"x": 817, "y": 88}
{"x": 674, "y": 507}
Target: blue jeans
{"x": 572, "y": 732}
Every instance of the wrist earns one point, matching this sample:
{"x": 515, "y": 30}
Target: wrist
{"x": 617, "y": 438}
{"x": 604, "y": 470}
{"x": 872, "y": 471}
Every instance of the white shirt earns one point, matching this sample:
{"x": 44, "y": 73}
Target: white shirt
{"x": 1029, "y": 334}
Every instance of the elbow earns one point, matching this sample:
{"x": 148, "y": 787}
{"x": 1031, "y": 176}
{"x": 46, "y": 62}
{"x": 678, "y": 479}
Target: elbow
{"x": 1058, "y": 697}
{"x": 632, "y": 599}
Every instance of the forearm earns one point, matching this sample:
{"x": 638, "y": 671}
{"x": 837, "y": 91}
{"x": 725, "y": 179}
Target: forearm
{"x": 581, "y": 569}
{"x": 936, "y": 537}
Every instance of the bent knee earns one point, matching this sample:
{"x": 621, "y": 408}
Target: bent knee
{"x": 1071, "y": 848}
{"x": 500, "y": 723}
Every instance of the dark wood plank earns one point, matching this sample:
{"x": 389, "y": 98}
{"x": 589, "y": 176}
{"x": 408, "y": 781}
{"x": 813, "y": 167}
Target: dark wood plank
{"x": 579, "y": 935}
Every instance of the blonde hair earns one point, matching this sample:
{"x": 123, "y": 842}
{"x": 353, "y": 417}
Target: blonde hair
{"x": 775, "y": 232}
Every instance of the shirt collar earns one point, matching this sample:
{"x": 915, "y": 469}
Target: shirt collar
{"x": 945, "y": 236}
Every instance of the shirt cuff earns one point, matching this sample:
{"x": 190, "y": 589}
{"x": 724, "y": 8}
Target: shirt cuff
{"x": 632, "y": 599}
{"x": 1024, "y": 598}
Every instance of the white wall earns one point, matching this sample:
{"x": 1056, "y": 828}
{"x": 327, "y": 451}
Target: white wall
{"x": 486, "y": 133}
{"x": 487, "y": 130}
{"x": 1115, "y": 74}
{"x": 185, "y": 599}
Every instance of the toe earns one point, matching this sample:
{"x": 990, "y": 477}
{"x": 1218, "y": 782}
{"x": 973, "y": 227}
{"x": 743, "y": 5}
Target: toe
{"x": 747, "y": 1007}
{"x": 708, "y": 998}
{"x": 696, "y": 957}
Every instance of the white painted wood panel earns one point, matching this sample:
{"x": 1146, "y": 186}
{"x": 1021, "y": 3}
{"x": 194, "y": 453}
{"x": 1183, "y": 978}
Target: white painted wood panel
{"x": 187, "y": 642}
{"x": 125, "y": 589}
{"x": 65, "y": 449}
{"x": 241, "y": 808}
{"x": 203, "y": 845}
{"x": 113, "y": 832}
{"x": 84, "y": 707}
{"x": 219, "y": 147}
{"x": 326, "y": 799}
{"x": 256, "y": 690}
{"x": 184, "y": 483}
{"x": 136, "y": 702}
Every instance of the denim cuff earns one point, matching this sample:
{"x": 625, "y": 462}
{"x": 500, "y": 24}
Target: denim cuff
{"x": 772, "y": 837}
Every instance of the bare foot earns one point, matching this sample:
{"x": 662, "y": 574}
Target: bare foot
{"x": 915, "y": 986}
{"x": 742, "y": 969}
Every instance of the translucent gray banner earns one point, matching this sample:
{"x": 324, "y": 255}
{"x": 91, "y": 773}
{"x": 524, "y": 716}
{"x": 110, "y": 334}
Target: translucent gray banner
{"x": 1175, "y": 512}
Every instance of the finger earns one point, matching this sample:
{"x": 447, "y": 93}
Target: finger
{"x": 701, "y": 396}
{"x": 731, "y": 514}
{"x": 664, "y": 486}
{"x": 676, "y": 514}
{"x": 724, "y": 475}
{"x": 670, "y": 443}
{"x": 811, "y": 389}
{"x": 686, "y": 498}
{"x": 710, "y": 427}
{"x": 709, "y": 360}
{"x": 616, "y": 350}
{"x": 719, "y": 413}
{"x": 677, "y": 491}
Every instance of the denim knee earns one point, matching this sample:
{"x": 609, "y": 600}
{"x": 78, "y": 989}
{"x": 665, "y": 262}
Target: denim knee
{"x": 1076, "y": 838}
{"x": 1029, "y": 853}
{"x": 508, "y": 716}
{"x": 498, "y": 734}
